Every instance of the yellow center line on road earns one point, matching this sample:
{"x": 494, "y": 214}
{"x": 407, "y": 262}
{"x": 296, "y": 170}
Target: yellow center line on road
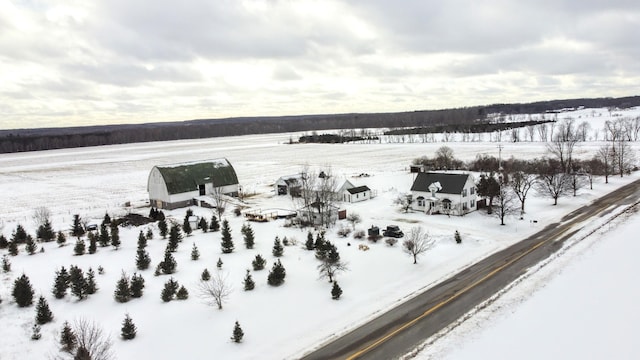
{"x": 441, "y": 304}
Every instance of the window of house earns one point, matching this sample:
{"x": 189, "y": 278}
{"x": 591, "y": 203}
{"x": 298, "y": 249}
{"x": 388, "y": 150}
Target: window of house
{"x": 472, "y": 190}
{"x": 446, "y": 204}
{"x": 421, "y": 201}
{"x": 473, "y": 203}
{"x": 464, "y": 192}
{"x": 464, "y": 206}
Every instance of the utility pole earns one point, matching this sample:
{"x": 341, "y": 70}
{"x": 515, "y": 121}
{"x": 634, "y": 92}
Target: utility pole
{"x": 500, "y": 157}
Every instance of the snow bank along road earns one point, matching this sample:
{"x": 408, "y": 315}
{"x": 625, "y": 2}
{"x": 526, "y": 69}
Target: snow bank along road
{"x": 404, "y": 327}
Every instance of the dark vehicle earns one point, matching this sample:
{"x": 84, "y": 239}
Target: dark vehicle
{"x": 92, "y": 227}
{"x": 393, "y": 231}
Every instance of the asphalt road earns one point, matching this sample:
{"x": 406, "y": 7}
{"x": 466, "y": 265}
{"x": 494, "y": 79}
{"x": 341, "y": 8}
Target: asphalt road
{"x": 397, "y": 331}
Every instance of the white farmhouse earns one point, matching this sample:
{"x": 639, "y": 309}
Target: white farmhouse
{"x": 444, "y": 193}
{"x": 178, "y": 185}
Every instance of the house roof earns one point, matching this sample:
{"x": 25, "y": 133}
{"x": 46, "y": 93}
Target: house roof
{"x": 186, "y": 177}
{"x": 359, "y": 189}
{"x": 451, "y": 183}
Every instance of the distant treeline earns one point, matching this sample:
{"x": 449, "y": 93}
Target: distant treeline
{"x": 58, "y": 138}
{"x": 484, "y": 127}
{"x": 333, "y": 138}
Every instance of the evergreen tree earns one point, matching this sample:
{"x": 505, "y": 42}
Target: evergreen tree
{"x": 153, "y": 214}
{"x": 195, "y": 254}
{"x": 162, "y": 226}
{"x": 68, "y": 340}
{"x": 142, "y": 240}
{"x": 278, "y": 249}
{"x": 336, "y": 291}
{"x": 174, "y": 238}
{"x": 13, "y": 248}
{"x": 322, "y": 249}
{"x": 93, "y": 243}
{"x": 3, "y": 242}
{"x": 203, "y": 225}
{"x": 79, "y": 248}
{"x": 249, "y": 284}
{"x": 457, "y": 237}
{"x": 19, "y": 236}
{"x": 258, "y": 263}
{"x": 277, "y": 274}
{"x": 77, "y": 229}
{"x": 6, "y": 264}
{"x": 142, "y": 259}
{"x": 227, "y": 242}
{"x": 186, "y": 225}
{"x": 91, "y": 287}
{"x": 35, "y": 334}
{"x": 78, "y": 282}
{"x": 319, "y": 241}
{"x": 61, "y": 239}
{"x": 30, "y": 245}
{"x": 182, "y": 293}
{"x": 238, "y": 334}
{"x": 122, "y": 293}
{"x": 169, "y": 290}
{"x": 115, "y": 236}
{"x": 128, "y": 330}
{"x": 45, "y": 232}
{"x": 249, "y": 237}
{"x": 107, "y": 219}
{"x": 205, "y": 276}
{"x": 61, "y": 283}
{"x": 160, "y": 215}
{"x": 43, "y": 313}
{"x": 219, "y": 263}
{"x": 214, "y": 225}
{"x": 22, "y": 291}
{"x": 149, "y": 234}
{"x": 168, "y": 265}
{"x": 309, "y": 244}
{"x": 104, "y": 238}
{"x": 137, "y": 285}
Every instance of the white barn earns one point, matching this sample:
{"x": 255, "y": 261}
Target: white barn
{"x": 444, "y": 193}
{"x": 178, "y": 185}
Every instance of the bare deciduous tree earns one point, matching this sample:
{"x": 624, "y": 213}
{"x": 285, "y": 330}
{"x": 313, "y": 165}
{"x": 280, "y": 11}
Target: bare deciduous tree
{"x": 417, "y": 242}
{"x": 552, "y": 181}
{"x": 91, "y": 342}
{"x": 215, "y": 291}
{"x": 521, "y": 183}
{"x": 504, "y": 203}
{"x": 605, "y": 155}
{"x": 41, "y": 215}
{"x": 354, "y": 219}
{"x": 220, "y": 199}
{"x": 405, "y": 201}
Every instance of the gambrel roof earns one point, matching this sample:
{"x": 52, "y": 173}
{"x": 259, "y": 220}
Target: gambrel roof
{"x": 186, "y": 177}
{"x": 451, "y": 183}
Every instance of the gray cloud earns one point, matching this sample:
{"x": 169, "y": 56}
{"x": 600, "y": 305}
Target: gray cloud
{"x": 117, "y": 60}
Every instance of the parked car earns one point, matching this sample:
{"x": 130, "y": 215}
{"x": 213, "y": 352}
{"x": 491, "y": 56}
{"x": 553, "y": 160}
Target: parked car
{"x": 92, "y": 227}
{"x": 393, "y": 231}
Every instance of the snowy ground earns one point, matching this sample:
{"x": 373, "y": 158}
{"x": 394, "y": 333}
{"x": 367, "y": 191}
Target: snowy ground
{"x": 283, "y": 322}
{"x": 582, "y": 305}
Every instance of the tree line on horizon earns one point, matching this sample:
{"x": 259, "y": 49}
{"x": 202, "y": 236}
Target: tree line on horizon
{"x": 21, "y": 140}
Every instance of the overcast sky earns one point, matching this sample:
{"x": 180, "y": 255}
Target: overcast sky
{"x": 80, "y": 62}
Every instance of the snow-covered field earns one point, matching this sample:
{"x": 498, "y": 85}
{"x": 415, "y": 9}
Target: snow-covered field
{"x": 282, "y": 322}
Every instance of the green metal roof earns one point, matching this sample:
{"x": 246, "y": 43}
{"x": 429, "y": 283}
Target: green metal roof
{"x": 186, "y": 177}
